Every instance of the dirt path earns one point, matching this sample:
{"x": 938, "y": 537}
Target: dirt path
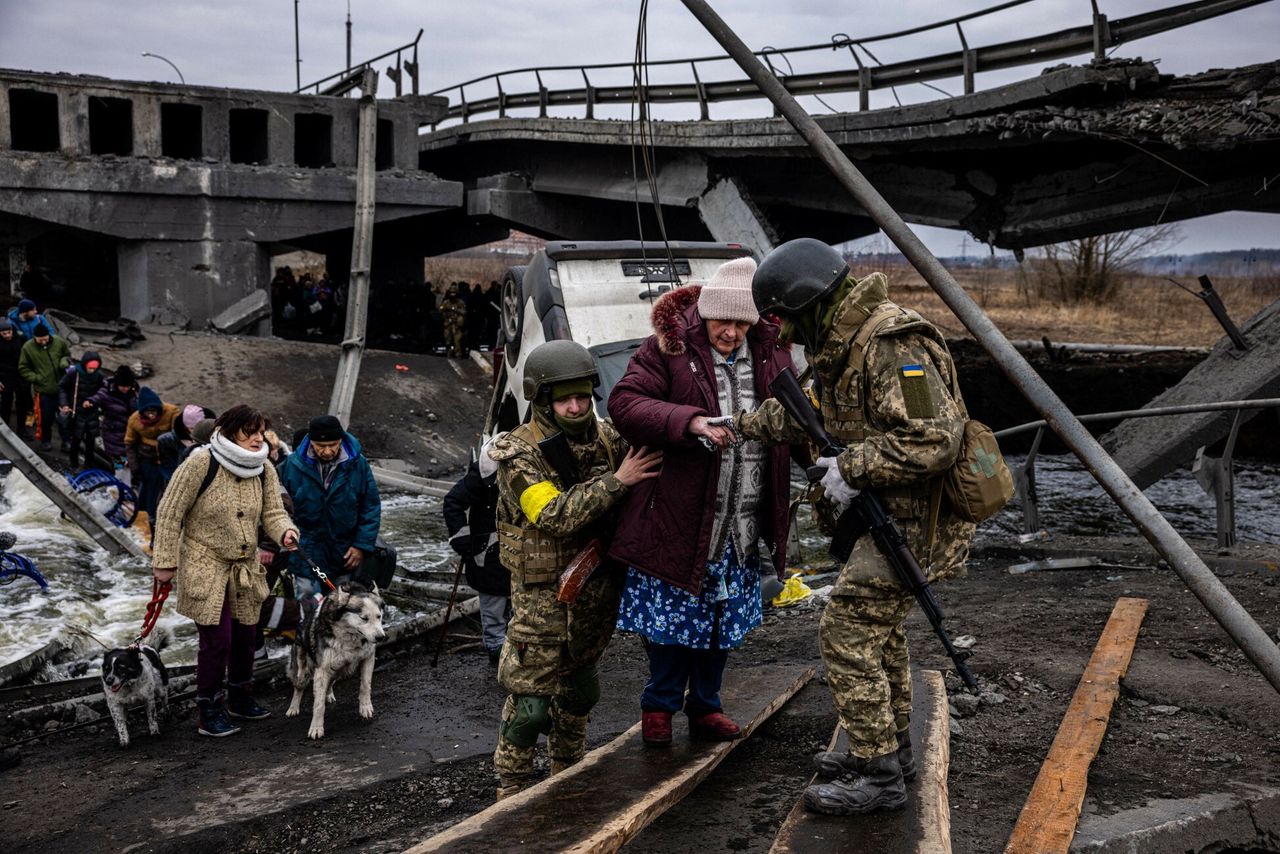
{"x": 422, "y": 763}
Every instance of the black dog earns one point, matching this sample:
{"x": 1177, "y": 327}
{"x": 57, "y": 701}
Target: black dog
{"x": 130, "y": 674}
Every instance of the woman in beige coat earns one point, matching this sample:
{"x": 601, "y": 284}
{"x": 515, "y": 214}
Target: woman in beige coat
{"x": 206, "y": 536}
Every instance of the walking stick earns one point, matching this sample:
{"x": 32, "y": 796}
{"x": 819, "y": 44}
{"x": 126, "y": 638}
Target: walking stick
{"x": 448, "y": 612}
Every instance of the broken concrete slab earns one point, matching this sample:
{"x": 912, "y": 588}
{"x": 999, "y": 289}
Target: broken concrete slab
{"x": 1245, "y": 820}
{"x": 243, "y": 313}
{"x": 1149, "y": 448}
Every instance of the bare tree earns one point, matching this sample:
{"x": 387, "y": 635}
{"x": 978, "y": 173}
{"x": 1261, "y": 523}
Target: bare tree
{"x": 1090, "y": 269}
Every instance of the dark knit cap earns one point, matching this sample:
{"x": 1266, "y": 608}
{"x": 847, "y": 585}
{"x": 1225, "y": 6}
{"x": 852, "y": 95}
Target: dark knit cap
{"x": 124, "y": 376}
{"x": 325, "y": 428}
{"x": 148, "y": 399}
{"x": 5, "y": 324}
{"x": 40, "y": 331}
{"x": 26, "y": 305}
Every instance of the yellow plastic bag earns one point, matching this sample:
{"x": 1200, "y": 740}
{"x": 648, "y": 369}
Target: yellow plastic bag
{"x": 793, "y": 592}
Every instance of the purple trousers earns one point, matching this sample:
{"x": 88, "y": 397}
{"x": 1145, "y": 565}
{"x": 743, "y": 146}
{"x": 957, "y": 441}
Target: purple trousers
{"x": 225, "y": 654}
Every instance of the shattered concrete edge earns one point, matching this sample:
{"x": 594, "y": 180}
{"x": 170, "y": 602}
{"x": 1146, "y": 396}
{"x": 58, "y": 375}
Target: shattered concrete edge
{"x": 1246, "y": 818}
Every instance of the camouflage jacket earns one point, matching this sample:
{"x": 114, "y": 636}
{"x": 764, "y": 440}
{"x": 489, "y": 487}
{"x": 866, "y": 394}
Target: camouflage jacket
{"x": 887, "y": 392}
{"x": 453, "y": 310}
{"x": 542, "y": 523}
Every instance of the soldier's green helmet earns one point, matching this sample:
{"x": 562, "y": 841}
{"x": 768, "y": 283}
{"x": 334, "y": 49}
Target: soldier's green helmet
{"x": 796, "y": 275}
{"x": 556, "y": 362}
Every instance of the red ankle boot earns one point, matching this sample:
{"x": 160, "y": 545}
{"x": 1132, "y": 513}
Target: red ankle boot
{"x": 655, "y": 728}
{"x": 716, "y": 726}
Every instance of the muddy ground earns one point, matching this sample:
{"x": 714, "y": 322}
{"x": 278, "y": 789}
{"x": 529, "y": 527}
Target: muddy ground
{"x": 1194, "y": 717}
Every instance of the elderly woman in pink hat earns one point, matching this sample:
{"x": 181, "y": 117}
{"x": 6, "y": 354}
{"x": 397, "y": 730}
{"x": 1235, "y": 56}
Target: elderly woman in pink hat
{"x": 691, "y": 537}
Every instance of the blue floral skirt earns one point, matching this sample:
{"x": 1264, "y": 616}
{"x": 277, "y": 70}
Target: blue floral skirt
{"x": 668, "y": 615}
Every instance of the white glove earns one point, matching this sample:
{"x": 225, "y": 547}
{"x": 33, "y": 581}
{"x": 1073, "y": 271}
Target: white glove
{"x": 837, "y": 490}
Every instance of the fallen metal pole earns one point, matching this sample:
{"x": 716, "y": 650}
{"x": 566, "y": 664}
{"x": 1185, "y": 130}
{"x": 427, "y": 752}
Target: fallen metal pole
{"x": 1233, "y": 618}
{"x": 344, "y": 386}
{"x": 71, "y": 503}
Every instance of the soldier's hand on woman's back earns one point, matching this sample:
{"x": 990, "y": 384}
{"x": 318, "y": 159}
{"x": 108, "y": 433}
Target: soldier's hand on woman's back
{"x": 639, "y": 464}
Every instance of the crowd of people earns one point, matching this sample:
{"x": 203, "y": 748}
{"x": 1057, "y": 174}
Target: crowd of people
{"x": 673, "y": 506}
{"x": 451, "y": 319}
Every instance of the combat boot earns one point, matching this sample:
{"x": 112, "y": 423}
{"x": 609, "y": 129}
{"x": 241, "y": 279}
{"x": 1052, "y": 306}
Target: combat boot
{"x": 832, "y": 763}
{"x": 876, "y": 785}
{"x": 506, "y": 790}
{"x": 213, "y": 717}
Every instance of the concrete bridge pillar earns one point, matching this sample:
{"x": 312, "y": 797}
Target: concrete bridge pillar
{"x": 166, "y": 280}
{"x": 732, "y": 217}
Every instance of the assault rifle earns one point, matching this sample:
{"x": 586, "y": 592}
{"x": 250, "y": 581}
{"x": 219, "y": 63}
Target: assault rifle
{"x": 867, "y": 514}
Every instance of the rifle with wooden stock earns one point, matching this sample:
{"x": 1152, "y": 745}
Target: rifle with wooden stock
{"x": 866, "y": 513}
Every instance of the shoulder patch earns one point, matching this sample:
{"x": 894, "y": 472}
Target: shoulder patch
{"x": 915, "y": 392}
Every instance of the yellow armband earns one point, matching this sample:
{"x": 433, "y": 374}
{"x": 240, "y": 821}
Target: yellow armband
{"x": 536, "y": 497}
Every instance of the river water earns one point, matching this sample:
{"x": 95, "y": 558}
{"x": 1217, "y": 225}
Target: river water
{"x": 108, "y": 595}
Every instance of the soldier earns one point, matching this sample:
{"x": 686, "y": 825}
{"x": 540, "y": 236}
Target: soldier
{"x": 549, "y": 507}
{"x": 453, "y": 312}
{"x": 886, "y": 387}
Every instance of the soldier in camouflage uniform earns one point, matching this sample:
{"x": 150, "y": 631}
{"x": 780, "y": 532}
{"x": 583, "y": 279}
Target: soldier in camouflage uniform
{"x": 547, "y": 512}
{"x": 453, "y": 314}
{"x": 885, "y": 384}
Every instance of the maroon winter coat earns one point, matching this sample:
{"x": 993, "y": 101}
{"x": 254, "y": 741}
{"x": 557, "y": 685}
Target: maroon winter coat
{"x": 665, "y": 525}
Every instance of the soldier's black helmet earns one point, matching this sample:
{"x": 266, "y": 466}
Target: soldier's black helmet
{"x": 556, "y": 362}
{"x": 796, "y": 275}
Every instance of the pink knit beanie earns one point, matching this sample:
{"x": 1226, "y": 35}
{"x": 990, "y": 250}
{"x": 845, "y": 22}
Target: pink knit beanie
{"x": 728, "y": 295}
{"x": 192, "y": 415}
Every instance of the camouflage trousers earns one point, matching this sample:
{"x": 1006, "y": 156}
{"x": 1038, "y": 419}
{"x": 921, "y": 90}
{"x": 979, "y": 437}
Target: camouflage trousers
{"x": 453, "y": 339}
{"x": 864, "y": 650}
{"x": 548, "y": 663}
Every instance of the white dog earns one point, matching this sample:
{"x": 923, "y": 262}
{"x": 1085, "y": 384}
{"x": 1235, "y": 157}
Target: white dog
{"x": 129, "y": 675}
{"x": 333, "y": 641}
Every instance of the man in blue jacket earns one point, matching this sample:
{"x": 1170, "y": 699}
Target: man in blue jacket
{"x": 25, "y": 318}
{"x": 336, "y": 505}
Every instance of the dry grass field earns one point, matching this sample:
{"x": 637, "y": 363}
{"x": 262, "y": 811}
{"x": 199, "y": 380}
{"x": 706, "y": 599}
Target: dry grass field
{"x": 1148, "y": 310}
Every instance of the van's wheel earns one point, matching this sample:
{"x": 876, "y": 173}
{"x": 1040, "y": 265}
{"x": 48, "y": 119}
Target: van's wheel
{"x": 512, "y": 310}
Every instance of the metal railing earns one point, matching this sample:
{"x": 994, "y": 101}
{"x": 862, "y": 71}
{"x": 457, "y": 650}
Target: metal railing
{"x": 1214, "y": 474}
{"x": 866, "y": 74}
{"x": 348, "y": 80}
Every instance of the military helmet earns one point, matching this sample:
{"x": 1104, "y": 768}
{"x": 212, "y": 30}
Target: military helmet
{"x": 796, "y": 275}
{"x": 556, "y": 362}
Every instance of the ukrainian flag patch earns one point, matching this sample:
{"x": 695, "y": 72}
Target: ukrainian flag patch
{"x": 912, "y": 371}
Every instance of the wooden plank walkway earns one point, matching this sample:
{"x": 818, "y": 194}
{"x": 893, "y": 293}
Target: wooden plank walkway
{"x": 1048, "y": 820}
{"x": 605, "y": 800}
{"x": 923, "y": 826}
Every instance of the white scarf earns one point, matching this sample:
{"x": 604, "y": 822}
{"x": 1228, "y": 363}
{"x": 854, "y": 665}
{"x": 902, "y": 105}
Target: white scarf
{"x": 241, "y": 462}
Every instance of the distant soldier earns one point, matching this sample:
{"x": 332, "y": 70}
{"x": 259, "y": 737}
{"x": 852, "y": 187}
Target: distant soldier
{"x": 885, "y": 385}
{"x": 550, "y": 506}
{"x": 453, "y": 311}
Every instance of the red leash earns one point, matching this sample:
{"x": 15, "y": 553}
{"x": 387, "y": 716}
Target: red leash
{"x": 159, "y": 593}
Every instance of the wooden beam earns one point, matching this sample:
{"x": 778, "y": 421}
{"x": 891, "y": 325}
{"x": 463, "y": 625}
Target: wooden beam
{"x": 922, "y": 827}
{"x": 605, "y": 800}
{"x": 1048, "y": 820}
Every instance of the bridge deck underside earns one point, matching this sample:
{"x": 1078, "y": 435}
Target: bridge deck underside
{"x": 1073, "y": 152}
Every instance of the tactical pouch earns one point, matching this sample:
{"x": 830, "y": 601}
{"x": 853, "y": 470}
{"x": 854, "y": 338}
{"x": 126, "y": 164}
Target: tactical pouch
{"x": 979, "y": 484}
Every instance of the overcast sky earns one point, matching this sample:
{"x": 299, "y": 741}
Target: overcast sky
{"x": 250, "y": 44}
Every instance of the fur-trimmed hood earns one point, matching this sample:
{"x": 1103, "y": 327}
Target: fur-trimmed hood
{"x": 675, "y": 314}
{"x": 668, "y": 318}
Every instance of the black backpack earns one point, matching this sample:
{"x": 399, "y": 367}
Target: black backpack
{"x": 213, "y": 472}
